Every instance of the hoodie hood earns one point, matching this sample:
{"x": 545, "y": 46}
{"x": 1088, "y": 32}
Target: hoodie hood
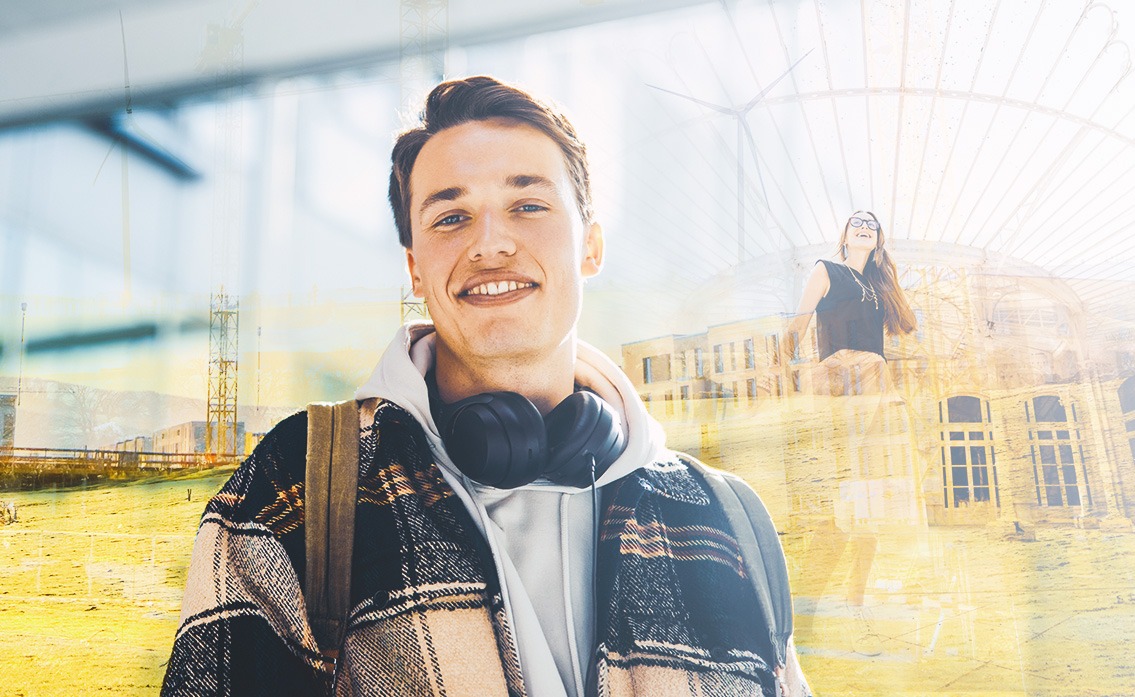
{"x": 399, "y": 377}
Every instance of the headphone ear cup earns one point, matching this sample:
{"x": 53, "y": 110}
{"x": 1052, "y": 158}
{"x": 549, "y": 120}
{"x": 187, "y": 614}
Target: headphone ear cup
{"x": 496, "y": 438}
{"x": 579, "y": 426}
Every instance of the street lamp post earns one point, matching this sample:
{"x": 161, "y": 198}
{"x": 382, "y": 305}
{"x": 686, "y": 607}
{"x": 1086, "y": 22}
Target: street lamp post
{"x": 23, "y": 323}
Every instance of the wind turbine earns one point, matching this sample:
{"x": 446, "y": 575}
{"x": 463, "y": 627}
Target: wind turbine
{"x": 743, "y": 133}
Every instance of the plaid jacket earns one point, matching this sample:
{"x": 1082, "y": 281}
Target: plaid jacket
{"x": 428, "y": 616}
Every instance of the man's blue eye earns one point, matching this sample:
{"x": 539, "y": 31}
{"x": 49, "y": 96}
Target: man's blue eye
{"x": 531, "y": 208}
{"x": 450, "y": 220}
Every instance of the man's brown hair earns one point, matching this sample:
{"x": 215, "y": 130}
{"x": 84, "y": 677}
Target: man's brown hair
{"x": 482, "y": 98}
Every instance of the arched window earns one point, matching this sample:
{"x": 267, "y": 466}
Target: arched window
{"x": 969, "y": 462}
{"x": 1057, "y": 454}
{"x": 1127, "y": 395}
{"x": 1127, "y": 404}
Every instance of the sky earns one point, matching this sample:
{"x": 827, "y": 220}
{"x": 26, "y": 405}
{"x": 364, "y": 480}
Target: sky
{"x": 1002, "y": 133}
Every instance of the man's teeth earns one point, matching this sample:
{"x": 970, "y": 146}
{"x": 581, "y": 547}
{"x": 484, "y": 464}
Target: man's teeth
{"x": 497, "y": 288}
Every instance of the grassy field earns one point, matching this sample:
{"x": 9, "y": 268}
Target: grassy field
{"x": 90, "y": 586}
{"x": 970, "y": 611}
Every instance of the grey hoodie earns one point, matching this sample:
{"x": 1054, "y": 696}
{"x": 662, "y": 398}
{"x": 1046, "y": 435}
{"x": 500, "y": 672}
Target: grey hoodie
{"x": 540, "y": 534}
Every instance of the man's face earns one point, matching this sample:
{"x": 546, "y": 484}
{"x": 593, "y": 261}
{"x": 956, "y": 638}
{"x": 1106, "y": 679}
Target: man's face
{"x": 499, "y": 248}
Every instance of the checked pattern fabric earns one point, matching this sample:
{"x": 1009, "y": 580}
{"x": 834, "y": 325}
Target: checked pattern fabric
{"x": 678, "y": 617}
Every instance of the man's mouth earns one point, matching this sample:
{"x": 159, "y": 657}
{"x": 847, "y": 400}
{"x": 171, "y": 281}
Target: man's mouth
{"x": 497, "y": 288}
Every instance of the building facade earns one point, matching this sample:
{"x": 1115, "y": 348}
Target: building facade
{"x": 189, "y": 437}
{"x": 7, "y": 421}
{"x": 1013, "y": 401}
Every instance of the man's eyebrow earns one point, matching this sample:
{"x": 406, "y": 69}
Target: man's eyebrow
{"x": 523, "y": 181}
{"x": 450, "y": 194}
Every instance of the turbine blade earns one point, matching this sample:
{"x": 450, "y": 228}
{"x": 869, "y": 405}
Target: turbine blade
{"x": 761, "y": 95}
{"x": 715, "y": 107}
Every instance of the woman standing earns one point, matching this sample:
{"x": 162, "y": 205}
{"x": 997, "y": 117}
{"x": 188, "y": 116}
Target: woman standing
{"x": 868, "y": 481}
{"x": 855, "y": 299}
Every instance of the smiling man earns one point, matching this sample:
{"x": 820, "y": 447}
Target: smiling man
{"x": 521, "y": 528}
{"x": 499, "y": 249}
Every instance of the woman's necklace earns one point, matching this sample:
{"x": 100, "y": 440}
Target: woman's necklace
{"x": 868, "y": 292}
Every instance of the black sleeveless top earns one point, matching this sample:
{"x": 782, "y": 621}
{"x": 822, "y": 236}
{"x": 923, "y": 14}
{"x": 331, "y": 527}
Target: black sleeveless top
{"x": 848, "y": 317}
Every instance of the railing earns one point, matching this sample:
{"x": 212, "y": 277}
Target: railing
{"x": 113, "y": 458}
{"x": 31, "y": 468}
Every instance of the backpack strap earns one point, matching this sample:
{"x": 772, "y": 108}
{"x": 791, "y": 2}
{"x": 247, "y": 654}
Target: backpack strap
{"x": 760, "y": 549}
{"x": 330, "y": 493}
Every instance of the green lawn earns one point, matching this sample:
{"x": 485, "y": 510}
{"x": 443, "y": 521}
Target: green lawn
{"x": 90, "y": 586}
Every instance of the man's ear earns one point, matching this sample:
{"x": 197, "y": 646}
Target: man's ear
{"x": 592, "y": 251}
{"x": 415, "y": 280}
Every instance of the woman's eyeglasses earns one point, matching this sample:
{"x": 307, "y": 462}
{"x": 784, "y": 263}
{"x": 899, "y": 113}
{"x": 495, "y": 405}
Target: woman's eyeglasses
{"x": 860, "y": 222}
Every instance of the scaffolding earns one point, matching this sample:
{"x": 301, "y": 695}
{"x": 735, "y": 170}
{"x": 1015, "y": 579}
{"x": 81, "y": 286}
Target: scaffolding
{"x": 409, "y": 307}
{"x": 423, "y": 35}
{"x": 423, "y": 31}
{"x": 224, "y": 56}
{"x": 221, "y": 418}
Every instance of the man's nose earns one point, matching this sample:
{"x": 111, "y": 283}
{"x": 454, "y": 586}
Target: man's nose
{"x": 492, "y": 236}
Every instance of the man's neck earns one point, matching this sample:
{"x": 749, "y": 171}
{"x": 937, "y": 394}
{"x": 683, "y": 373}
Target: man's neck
{"x": 545, "y": 381}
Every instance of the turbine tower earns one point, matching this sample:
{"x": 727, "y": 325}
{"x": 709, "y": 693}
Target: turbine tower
{"x": 743, "y": 133}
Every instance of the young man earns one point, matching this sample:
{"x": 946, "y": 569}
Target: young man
{"x": 488, "y": 439}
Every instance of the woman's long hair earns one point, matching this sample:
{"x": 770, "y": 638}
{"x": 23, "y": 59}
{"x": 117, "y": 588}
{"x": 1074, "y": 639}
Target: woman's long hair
{"x": 880, "y": 271}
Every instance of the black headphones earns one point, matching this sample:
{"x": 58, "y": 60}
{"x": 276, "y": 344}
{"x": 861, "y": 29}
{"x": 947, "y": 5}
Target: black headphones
{"x": 500, "y": 438}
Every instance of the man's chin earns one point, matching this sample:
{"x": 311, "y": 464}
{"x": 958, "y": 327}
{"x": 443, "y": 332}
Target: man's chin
{"x": 499, "y": 340}
{"x": 518, "y": 348}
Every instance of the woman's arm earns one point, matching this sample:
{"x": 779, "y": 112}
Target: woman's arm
{"x": 815, "y": 288}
